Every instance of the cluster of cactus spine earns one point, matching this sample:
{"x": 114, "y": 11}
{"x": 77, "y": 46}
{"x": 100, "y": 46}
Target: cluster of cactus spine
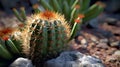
{"x": 47, "y": 32}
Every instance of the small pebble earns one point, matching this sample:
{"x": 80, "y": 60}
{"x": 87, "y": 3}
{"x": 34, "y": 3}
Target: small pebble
{"x": 117, "y": 52}
{"x": 104, "y": 40}
{"x": 103, "y": 45}
{"x": 115, "y": 44}
{"x": 111, "y": 21}
{"x": 83, "y": 41}
{"x": 94, "y": 39}
{"x": 22, "y": 62}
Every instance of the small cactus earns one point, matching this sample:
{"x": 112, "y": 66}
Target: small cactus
{"x": 49, "y": 36}
{"x": 44, "y": 36}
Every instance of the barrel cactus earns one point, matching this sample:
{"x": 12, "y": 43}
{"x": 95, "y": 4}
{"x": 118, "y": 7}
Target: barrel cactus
{"x": 49, "y": 36}
{"x": 44, "y": 35}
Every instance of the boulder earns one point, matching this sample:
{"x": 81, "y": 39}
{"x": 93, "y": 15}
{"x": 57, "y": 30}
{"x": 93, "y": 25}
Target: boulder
{"x": 21, "y": 62}
{"x": 74, "y": 59}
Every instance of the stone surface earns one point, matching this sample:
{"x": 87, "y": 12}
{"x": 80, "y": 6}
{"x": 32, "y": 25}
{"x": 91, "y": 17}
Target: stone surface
{"x": 104, "y": 40}
{"x": 102, "y": 45}
{"x": 21, "y": 62}
{"x": 117, "y": 52}
{"x": 115, "y": 44}
{"x": 111, "y": 21}
{"x": 74, "y": 59}
{"x": 94, "y": 39}
{"x": 93, "y": 23}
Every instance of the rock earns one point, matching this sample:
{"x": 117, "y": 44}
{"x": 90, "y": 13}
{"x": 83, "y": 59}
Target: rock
{"x": 118, "y": 24}
{"x": 111, "y": 51}
{"x": 84, "y": 42}
{"x": 103, "y": 45}
{"x": 114, "y": 58}
{"x": 21, "y": 62}
{"x": 94, "y": 39}
{"x": 111, "y": 59}
{"x": 115, "y": 44}
{"x": 73, "y": 45}
{"x": 74, "y": 59}
{"x": 78, "y": 39}
{"x": 111, "y": 21}
{"x": 117, "y": 54}
{"x": 104, "y": 40}
{"x": 93, "y": 23}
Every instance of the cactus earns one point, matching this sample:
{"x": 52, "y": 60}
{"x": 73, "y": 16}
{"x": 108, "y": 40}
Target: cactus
{"x": 48, "y": 39}
{"x": 10, "y": 47}
{"x": 8, "y": 52}
{"x": 47, "y": 34}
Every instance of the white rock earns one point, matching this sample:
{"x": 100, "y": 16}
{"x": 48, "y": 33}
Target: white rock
{"x": 83, "y": 41}
{"x": 21, "y": 62}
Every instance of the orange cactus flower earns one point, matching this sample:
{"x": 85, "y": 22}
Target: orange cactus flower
{"x": 77, "y": 20}
{"x": 21, "y": 25}
{"x": 48, "y": 14}
{"x": 81, "y": 16}
{"x": 77, "y": 6}
{"x": 4, "y": 33}
{"x": 5, "y": 38}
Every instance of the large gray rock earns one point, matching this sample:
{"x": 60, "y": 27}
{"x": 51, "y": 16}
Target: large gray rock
{"x": 74, "y": 59}
{"x": 21, "y": 62}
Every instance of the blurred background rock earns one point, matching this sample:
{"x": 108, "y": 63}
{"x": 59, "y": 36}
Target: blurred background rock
{"x": 112, "y": 6}
{"x": 6, "y": 5}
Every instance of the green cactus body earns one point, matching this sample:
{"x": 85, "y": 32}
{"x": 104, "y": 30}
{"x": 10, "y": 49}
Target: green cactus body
{"x": 49, "y": 34}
